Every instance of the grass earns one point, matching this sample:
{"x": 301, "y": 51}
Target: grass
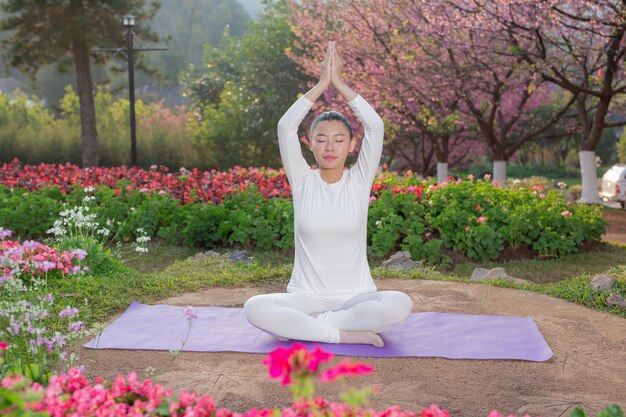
{"x": 542, "y": 271}
{"x": 168, "y": 271}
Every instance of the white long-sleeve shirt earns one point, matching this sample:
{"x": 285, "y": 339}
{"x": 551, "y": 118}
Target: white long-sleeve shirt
{"x": 330, "y": 230}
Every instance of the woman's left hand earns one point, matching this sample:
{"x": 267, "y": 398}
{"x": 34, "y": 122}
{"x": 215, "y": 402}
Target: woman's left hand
{"x": 336, "y": 65}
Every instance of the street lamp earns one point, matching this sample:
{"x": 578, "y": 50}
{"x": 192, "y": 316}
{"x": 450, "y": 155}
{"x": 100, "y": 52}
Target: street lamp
{"x": 129, "y": 22}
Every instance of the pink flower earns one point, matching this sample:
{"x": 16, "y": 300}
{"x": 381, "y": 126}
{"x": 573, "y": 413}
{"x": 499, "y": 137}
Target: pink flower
{"x": 295, "y": 360}
{"x": 345, "y": 369}
{"x": 278, "y": 365}
{"x": 3, "y": 346}
{"x": 467, "y": 228}
{"x": 319, "y": 356}
{"x": 566, "y": 213}
{"x": 434, "y": 411}
{"x": 481, "y": 219}
{"x": 487, "y": 177}
{"x": 189, "y": 313}
{"x": 470, "y": 177}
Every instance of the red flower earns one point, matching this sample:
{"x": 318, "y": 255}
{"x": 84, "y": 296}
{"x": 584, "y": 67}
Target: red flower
{"x": 4, "y": 345}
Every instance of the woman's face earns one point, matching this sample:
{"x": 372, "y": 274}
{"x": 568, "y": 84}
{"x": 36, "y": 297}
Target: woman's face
{"x": 331, "y": 144}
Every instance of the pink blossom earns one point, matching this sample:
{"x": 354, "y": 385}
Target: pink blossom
{"x": 4, "y": 233}
{"x": 481, "y": 219}
{"x": 434, "y": 411}
{"x": 189, "y": 313}
{"x": 278, "y": 364}
{"x": 566, "y": 213}
{"x": 345, "y": 369}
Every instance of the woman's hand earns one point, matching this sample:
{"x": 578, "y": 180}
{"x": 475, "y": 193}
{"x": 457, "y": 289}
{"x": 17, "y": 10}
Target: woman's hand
{"x": 336, "y": 77}
{"x": 336, "y": 65}
{"x": 326, "y": 70}
{"x": 325, "y": 76}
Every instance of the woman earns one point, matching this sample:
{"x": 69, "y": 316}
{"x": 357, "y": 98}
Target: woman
{"x": 331, "y": 296}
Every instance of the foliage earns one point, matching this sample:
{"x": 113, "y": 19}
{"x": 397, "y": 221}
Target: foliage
{"x": 44, "y": 33}
{"x": 32, "y": 134}
{"x": 242, "y": 89}
{"x": 188, "y": 26}
{"x": 621, "y": 147}
{"x": 478, "y": 219}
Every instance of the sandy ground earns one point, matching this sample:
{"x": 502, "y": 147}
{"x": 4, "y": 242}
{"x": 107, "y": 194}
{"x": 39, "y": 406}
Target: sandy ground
{"x": 588, "y": 367}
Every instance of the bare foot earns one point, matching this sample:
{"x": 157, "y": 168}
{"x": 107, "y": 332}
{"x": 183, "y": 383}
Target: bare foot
{"x": 364, "y": 337}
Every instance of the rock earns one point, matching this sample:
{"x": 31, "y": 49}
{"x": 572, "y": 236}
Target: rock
{"x": 240, "y": 256}
{"x": 616, "y": 300}
{"x": 601, "y": 282}
{"x": 482, "y": 274}
{"x": 204, "y": 255}
{"x": 401, "y": 261}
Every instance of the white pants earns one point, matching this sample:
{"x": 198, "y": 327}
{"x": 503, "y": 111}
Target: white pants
{"x": 319, "y": 318}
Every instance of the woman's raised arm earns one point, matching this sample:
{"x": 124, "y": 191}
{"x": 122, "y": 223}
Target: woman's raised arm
{"x": 296, "y": 166}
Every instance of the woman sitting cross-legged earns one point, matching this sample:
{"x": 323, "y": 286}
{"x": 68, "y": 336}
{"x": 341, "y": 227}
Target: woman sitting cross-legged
{"x": 331, "y": 296}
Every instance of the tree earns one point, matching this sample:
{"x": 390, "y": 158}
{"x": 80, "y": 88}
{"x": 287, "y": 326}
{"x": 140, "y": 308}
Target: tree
{"x": 242, "y": 89}
{"x": 430, "y": 70}
{"x": 578, "y": 45}
{"x": 187, "y": 26}
{"x": 64, "y": 32}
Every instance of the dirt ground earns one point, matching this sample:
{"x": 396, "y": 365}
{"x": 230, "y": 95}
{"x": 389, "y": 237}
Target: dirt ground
{"x": 588, "y": 368}
{"x": 616, "y": 226}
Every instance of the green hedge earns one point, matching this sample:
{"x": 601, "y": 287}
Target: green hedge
{"x": 471, "y": 217}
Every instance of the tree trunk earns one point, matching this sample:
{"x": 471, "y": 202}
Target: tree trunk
{"x": 589, "y": 193}
{"x": 84, "y": 85}
{"x": 442, "y": 172}
{"x": 499, "y": 171}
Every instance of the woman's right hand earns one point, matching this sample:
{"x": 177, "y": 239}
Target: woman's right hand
{"x": 326, "y": 70}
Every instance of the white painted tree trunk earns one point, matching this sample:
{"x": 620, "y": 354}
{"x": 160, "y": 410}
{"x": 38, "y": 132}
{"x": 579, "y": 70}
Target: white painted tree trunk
{"x": 442, "y": 172}
{"x": 499, "y": 171}
{"x": 589, "y": 176}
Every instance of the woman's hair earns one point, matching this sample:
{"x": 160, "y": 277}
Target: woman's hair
{"x": 330, "y": 116}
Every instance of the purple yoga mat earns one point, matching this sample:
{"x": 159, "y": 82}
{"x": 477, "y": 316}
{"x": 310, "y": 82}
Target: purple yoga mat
{"x": 431, "y": 334}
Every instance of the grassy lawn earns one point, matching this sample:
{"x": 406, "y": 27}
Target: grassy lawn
{"x": 167, "y": 270}
{"x": 542, "y": 271}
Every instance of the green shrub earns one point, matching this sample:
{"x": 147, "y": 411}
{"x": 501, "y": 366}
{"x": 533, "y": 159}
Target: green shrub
{"x": 471, "y": 217}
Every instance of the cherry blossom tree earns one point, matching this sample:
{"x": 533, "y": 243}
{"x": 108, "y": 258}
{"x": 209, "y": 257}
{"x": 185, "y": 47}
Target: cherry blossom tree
{"x": 434, "y": 68}
{"x": 577, "y": 45}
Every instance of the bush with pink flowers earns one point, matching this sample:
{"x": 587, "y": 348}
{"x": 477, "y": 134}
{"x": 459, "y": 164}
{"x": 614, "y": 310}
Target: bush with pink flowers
{"x": 38, "y": 334}
{"x": 72, "y": 394}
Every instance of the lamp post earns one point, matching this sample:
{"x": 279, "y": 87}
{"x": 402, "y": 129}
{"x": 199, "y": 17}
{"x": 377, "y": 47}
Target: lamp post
{"x": 129, "y": 23}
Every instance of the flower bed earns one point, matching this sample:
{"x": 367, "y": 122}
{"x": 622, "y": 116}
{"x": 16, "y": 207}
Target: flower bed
{"x": 252, "y": 208}
{"x": 72, "y": 394}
